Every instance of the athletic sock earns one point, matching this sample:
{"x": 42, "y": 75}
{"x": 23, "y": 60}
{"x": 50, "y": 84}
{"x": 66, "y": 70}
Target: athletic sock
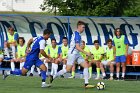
{"x": 55, "y": 68}
{"x": 61, "y": 72}
{"x": 52, "y": 69}
{"x": 64, "y": 67}
{"x": 104, "y": 75}
{"x": 73, "y": 73}
{"x": 43, "y": 75}
{"x": 21, "y": 65}
{"x": 12, "y": 66}
{"x": 32, "y": 69}
{"x": 98, "y": 72}
{"x": 85, "y": 73}
{"x": 13, "y": 51}
{"x": 117, "y": 75}
{"x": 123, "y": 74}
{"x": 90, "y": 71}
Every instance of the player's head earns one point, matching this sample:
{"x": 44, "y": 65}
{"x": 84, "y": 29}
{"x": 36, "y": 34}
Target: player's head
{"x": 65, "y": 41}
{"x": 109, "y": 43}
{"x": 47, "y": 33}
{"x": 53, "y": 42}
{"x": 81, "y": 26}
{"x": 11, "y": 30}
{"x": 83, "y": 44}
{"x": 96, "y": 44}
{"x": 21, "y": 41}
{"x": 118, "y": 32}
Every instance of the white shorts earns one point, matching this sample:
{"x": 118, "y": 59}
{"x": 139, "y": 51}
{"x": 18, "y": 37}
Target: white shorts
{"x": 106, "y": 62}
{"x": 1, "y": 56}
{"x": 74, "y": 58}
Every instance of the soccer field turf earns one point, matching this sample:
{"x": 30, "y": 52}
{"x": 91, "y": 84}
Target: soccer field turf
{"x": 17, "y": 84}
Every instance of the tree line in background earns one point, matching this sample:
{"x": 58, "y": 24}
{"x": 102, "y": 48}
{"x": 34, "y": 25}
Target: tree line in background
{"x": 92, "y": 7}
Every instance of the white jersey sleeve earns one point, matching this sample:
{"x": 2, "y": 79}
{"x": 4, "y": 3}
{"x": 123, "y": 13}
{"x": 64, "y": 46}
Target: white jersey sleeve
{"x": 42, "y": 44}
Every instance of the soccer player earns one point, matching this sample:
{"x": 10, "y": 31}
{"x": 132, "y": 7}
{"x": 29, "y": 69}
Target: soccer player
{"x": 98, "y": 53}
{"x": 54, "y": 53}
{"x": 109, "y": 60}
{"x": 33, "y": 57}
{"x": 11, "y": 42}
{"x": 1, "y": 56}
{"x": 20, "y": 54}
{"x": 87, "y": 59}
{"x": 121, "y": 51}
{"x": 73, "y": 54}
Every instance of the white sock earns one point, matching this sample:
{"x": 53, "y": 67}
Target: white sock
{"x": 7, "y": 52}
{"x": 21, "y": 65}
{"x": 104, "y": 74}
{"x": 13, "y": 51}
{"x": 12, "y": 66}
{"x": 111, "y": 74}
{"x": 117, "y": 75}
{"x": 32, "y": 69}
{"x": 38, "y": 70}
{"x": 55, "y": 68}
{"x": 61, "y": 72}
{"x": 64, "y": 66}
{"x": 52, "y": 69}
{"x": 46, "y": 64}
{"x": 123, "y": 74}
{"x": 85, "y": 72}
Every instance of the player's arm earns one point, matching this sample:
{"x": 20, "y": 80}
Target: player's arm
{"x": 126, "y": 42}
{"x": 29, "y": 43}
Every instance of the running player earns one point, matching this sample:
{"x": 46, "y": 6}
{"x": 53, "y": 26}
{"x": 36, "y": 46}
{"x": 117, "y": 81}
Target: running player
{"x": 74, "y": 55}
{"x": 33, "y": 57}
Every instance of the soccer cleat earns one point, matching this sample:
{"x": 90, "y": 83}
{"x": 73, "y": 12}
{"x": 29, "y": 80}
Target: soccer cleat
{"x": 105, "y": 77}
{"x": 51, "y": 79}
{"x": 71, "y": 77}
{"x": 117, "y": 79}
{"x": 5, "y": 75}
{"x": 122, "y": 78}
{"x": 44, "y": 85}
{"x": 31, "y": 74}
{"x": 89, "y": 86}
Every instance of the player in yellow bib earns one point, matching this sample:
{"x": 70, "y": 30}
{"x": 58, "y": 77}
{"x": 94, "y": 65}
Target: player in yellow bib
{"x": 108, "y": 60}
{"x": 54, "y": 54}
{"x": 121, "y": 51}
{"x": 11, "y": 41}
{"x": 98, "y": 53}
{"x": 20, "y": 54}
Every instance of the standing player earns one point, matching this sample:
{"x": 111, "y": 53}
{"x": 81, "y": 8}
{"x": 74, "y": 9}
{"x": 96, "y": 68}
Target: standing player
{"x": 33, "y": 57}
{"x": 11, "y": 42}
{"x": 121, "y": 51}
{"x": 74, "y": 55}
{"x": 108, "y": 61}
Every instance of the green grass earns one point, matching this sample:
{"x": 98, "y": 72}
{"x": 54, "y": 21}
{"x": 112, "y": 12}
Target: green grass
{"x": 16, "y": 84}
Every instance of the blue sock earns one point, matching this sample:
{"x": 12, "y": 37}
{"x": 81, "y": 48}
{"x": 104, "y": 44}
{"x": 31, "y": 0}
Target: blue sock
{"x": 43, "y": 75}
{"x": 16, "y": 72}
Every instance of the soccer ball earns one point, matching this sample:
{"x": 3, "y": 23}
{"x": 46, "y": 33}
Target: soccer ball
{"x": 100, "y": 85}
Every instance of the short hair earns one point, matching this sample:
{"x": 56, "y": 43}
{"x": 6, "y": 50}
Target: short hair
{"x": 47, "y": 31}
{"x": 96, "y": 41}
{"x": 65, "y": 38}
{"x": 22, "y": 39}
{"x": 83, "y": 41}
{"x": 80, "y": 23}
{"x": 11, "y": 28}
{"x": 115, "y": 31}
{"x": 109, "y": 40}
{"x": 53, "y": 39}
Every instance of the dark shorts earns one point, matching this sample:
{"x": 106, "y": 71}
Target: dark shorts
{"x": 29, "y": 63}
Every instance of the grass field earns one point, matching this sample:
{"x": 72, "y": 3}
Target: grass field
{"x": 16, "y": 84}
